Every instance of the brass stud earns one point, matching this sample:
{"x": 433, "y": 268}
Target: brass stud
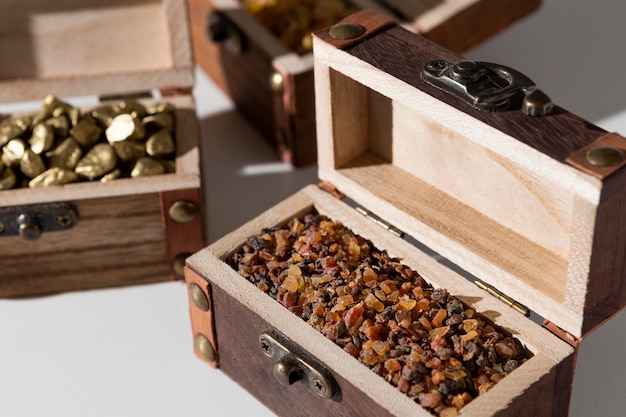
{"x": 183, "y": 211}
{"x": 178, "y": 264}
{"x": 277, "y": 83}
{"x": 199, "y": 297}
{"x": 605, "y": 156}
{"x": 204, "y": 348}
{"x": 344, "y": 31}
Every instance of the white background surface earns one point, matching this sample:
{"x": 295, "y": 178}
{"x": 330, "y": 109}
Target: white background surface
{"x": 128, "y": 351}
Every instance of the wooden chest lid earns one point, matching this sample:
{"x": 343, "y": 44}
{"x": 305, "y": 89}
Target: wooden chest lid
{"x": 96, "y": 47}
{"x": 509, "y": 198}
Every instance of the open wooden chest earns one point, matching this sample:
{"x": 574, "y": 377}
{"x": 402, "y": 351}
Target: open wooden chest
{"x": 272, "y": 85}
{"x": 95, "y": 234}
{"x": 524, "y": 199}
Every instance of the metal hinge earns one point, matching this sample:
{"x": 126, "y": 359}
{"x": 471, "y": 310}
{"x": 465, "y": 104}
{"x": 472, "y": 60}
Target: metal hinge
{"x": 520, "y": 308}
{"x": 386, "y": 225}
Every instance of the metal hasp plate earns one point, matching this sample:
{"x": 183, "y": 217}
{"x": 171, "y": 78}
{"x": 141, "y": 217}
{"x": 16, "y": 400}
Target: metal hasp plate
{"x": 31, "y": 221}
{"x": 487, "y": 86}
{"x": 220, "y": 29}
{"x": 292, "y": 364}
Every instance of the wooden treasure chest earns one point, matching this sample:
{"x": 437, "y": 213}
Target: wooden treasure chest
{"x": 498, "y": 251}
{"x": 123, "y": 58}
{"x": 259, "y": 52}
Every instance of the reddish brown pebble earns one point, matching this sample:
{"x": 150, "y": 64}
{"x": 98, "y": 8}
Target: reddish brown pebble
{"x": 429, "y": 399}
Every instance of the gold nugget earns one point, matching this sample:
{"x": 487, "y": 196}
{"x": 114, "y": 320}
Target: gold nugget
{"x": 13, "y": 152}
{"x": 53, "y": 176}
{"x": 42, "y": 138}
{"x": 147, "y": 166}
{"x": 7, "y": 177}
{"x": 66, "y": 155}
{"x": 163, "y": 120}
{"x": 160, "y": 144}
{"x": 129, "y": 150}
{"x": 169, "y": 165}
{"x": 13, "y": 128}
{"x": 132, "y": 107}
{"x": 86, "y": 133}
{"x": 161, "y": 107}
{"x": 125, "y": 127}
{"x": 99, "y": 160}
{"x": 104, "y": 114}
{"x": 60, "y": 125}
{"x": 51, "y": 106}
{"x": 115, "y": 174}
{"x": 32, "y": 164}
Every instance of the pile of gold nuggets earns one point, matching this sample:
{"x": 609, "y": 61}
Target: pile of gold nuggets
{"x": 292, "y": 21}
{"x": 60, "y": 145}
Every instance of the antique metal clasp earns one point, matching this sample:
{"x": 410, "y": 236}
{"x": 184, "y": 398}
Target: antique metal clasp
{"x": 31, "y": 221}
{"x": 220, "y": 29}
{"x": 292, "y": 364}
{"x": 487, "y": 86}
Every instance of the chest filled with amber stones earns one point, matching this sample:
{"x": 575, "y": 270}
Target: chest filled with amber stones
{"x": 418, "y": 338}
{"x": 488, "y": 210}
{"x": 259, "y": 51}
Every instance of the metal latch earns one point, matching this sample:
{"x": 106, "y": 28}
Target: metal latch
{"x": 220, "y": 29}
{"x": 31, "y": 221}
{"x": 487, "y": 86}
{"x": 292, "y": 364}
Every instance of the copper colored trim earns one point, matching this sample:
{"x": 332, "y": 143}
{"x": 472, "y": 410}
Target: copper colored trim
{"x": 202, "y": 321}
{"x": 183, "y": 239}
{"x": 562, "y": 334}
{"x": 579, "y": 158}
{"x": 330, "y": 188}
{"x": 370, "y": 20}
{"x": 176, "y": 91}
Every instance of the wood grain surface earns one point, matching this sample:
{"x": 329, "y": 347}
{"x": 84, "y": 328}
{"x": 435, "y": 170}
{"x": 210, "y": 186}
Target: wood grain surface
{"x": 117, "y": 241}
{"x": 76, "y": 48}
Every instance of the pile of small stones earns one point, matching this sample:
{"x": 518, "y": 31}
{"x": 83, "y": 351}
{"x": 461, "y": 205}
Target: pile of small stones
{"x": 292, "y": 21}
{"x": 421, "y": 339}
{"x": 61, "y": 145}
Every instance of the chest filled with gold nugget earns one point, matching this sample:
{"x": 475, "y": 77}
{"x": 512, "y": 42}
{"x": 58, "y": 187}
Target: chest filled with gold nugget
{"x": 100, "y": 180}
{"x": 488, "y": 210}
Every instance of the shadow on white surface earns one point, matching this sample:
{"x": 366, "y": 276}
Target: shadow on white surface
{"x": 573, "y": 50}
{"x": 241, "y": 174}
